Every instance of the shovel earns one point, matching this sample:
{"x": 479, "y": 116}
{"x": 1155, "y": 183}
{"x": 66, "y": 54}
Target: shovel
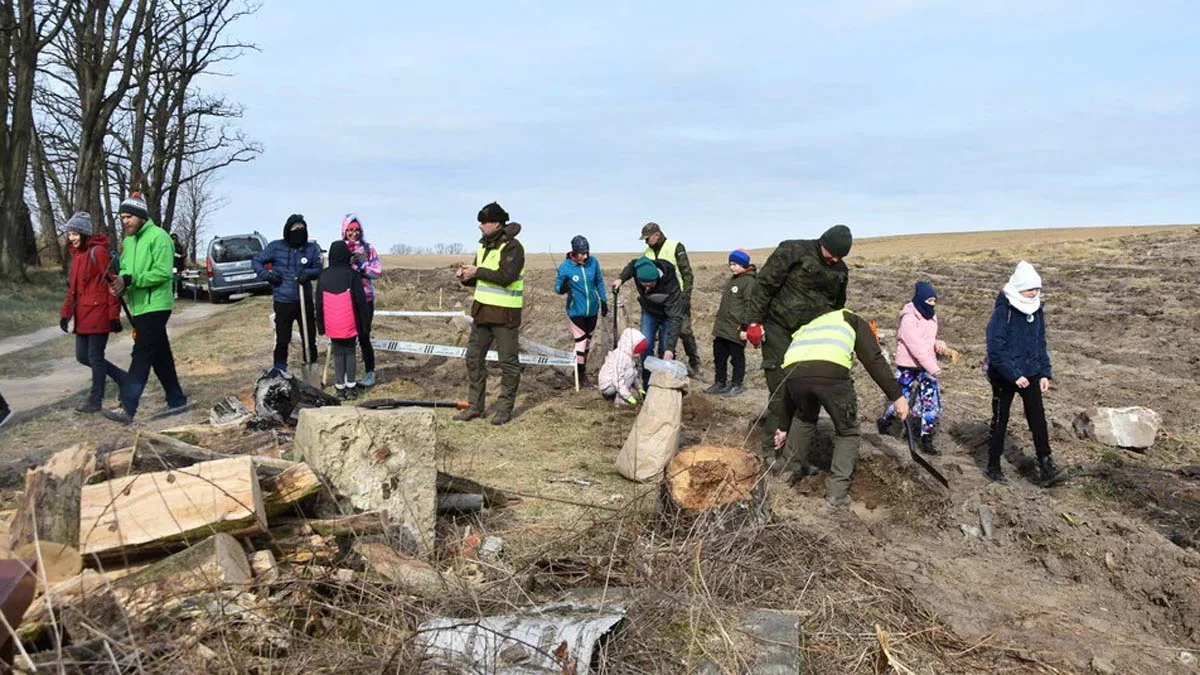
{"x": 912, "y": 429}
{"x": 310, "y": 370}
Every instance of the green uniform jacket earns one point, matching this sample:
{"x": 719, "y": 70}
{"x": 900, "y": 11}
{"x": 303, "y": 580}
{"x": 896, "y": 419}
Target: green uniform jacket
{"x": 147, "y": 258}
{"x": 511, "y": 264}
{"x": 796, "y": 285}
{"x": 733, "y": 305}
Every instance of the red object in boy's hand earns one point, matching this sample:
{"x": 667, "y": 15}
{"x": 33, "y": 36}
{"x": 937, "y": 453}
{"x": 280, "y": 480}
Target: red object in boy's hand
{"x": 754, "y": 334}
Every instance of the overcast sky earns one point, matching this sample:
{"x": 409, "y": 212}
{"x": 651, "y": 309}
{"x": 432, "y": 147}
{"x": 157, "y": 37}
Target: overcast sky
{"x": 730, "y": 124}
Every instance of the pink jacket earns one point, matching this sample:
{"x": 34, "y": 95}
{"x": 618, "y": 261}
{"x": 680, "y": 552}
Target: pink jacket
{"x": 339, "y": 315}
{"x": 621, "y": 367}
{"x": 915, "y": 340}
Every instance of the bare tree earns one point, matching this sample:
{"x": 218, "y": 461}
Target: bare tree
{"x": 26, "y": 28}
{"x": 198, "y": 201}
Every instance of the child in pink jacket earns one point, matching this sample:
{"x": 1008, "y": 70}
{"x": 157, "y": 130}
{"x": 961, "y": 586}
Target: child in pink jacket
{"x": 917, "y": 348}
{"x": 622, "y": 368}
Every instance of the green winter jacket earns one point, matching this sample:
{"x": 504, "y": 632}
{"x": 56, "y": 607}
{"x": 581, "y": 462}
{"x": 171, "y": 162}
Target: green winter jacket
{"x": 796, "y": 285}
{"x": 147, "y": 258}
{"x": 733, "y": 305}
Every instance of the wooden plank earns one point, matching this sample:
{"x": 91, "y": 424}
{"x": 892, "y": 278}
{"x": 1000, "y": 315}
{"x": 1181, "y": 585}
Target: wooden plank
{"x": 282, "y": 491}
{"x": 217, "y": 562}
{"x": 160, "y": 510}
{"x": 50, "y": 504}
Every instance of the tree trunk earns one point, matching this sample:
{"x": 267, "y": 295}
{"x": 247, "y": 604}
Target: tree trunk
{"x": 715, "y": 488}
{"x": 49, "y": 509}
{"x": 41, "y": 190}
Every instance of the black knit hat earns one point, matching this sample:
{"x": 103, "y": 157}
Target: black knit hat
{"x": 493, "y": 213}
{"x": 837, "y": 240}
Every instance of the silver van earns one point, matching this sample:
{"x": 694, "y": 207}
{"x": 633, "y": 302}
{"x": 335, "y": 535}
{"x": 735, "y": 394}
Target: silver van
{"x": 228, "y": 266}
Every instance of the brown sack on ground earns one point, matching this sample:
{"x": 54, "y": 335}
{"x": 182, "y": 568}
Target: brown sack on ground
{"x": 654, "y": 438}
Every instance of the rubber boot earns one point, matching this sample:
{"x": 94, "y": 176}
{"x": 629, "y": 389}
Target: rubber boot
{"x": 584, "y": 382}
{"x": 927, "y": 445}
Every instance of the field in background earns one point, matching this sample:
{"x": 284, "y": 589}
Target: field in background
{"x": 867, "y": 248}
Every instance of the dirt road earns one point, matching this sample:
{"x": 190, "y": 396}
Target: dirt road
{"x": 63, "y": 377}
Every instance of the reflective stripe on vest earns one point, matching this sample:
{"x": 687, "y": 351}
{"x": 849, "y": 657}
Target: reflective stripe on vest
{"x": 828, "y": 337}
{"x": 488, "y": 293}
{"x": 667, "y": 252}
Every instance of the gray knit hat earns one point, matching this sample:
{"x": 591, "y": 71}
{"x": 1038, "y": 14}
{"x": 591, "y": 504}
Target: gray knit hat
{"x": 135, "y": 205}
{"x": 81, "y": 222}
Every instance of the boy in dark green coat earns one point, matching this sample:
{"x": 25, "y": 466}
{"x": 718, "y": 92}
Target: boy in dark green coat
{"x": 729, "y": 342}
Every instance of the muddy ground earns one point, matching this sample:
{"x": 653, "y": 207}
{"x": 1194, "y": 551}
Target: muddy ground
{"x": 1099, "y": 574}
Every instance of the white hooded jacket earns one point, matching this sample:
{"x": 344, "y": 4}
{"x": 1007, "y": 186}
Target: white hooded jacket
{"x": 622, "y": 368}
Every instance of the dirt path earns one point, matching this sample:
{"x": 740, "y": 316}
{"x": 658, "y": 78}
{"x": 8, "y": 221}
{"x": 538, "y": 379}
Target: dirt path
{"x": 63, "y": 377}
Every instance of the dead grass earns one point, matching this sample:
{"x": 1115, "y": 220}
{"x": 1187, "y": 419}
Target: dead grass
{"x": 29, "y": 306}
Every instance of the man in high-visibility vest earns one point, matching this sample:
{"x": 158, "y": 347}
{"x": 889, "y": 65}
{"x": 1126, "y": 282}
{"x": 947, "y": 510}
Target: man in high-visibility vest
{"x": 816, "y": 374}
{"x": 658, "y": 247}
{"x": 498, "y": 276}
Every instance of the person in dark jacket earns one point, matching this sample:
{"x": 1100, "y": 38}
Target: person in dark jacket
{"x": 180, "y": 262}
{"x": 341, "y": 311}
{"x": 1019, "y": 363}
{"x": 294, "y": 263}
{"x": 729, "y": 343}
{"x": 498, "y": 276}
{"x": 92, "y": 305}
{"x": 659, "y": 247}
{"x": 801, "y": 280}
{"x": 580, "y": 279}
{"x": 816, "y": 367}
{"x": 663, "y": 307}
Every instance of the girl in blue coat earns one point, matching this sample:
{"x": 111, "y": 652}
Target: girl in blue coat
{"x": 580, "y": 279}
{"x": 1018, "y": 363}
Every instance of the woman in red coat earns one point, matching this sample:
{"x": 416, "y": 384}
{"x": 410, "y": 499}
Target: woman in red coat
{"x": 96, "y": 311}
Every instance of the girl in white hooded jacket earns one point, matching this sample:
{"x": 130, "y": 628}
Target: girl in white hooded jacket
{"x": 622, "y": 368}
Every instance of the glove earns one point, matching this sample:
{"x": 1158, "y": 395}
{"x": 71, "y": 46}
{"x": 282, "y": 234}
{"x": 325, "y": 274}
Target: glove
{"x": 754, "y": 334}
{"x": 633, "y": 400}
{"x": 358, "y": 258}
{"x": 274, "y": 277}
{"x": 62, "y": 323}
{"x": 115, "y": 326}
{"x": 603, "y": 308}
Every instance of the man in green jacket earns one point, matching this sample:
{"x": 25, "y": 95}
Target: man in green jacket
{"x": 801, "y": 280}
{"x": 145, "y": 280}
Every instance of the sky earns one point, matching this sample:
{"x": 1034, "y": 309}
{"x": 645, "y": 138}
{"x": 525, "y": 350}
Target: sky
{"x": 732, "y": 125}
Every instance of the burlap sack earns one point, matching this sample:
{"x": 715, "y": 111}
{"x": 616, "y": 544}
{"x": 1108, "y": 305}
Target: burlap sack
{"x": 654, "y": 438}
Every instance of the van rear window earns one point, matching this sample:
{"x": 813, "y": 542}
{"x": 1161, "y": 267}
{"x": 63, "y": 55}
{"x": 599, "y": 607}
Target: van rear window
{"x": 235, "y": 249}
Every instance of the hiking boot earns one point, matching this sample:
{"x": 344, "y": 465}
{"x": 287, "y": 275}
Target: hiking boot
{"x": 167, "y": 411}
{"x": 89, "y": 407}
{"x": 995, "y": 474}
{"x": 839, "y": 505}
{"x": 717, "y": 388}
{"x": 468, "y": 414}
{"x": 735, "y": 390}
{"x": 1048, "y": 474}
{"x": 502, "y": 417}
{"x": 341, "y": 394}
{"x": 119, "y": 416}
{"x": 927, "y": 445}
{"x": 368, "y": 380}
{"x": 694, "y": 367}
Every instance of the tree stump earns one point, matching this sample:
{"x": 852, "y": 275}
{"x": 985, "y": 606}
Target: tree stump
{"x": 278, "y": 400}
{"x": 718, "y": 487}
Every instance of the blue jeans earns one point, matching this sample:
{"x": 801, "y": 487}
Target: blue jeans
{"x": 655, "y": 330}
{"x": 89, "y": 351}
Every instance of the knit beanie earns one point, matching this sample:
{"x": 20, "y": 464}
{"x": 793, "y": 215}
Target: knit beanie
{"x": 135, "y": 205}
{"x": 837, "y": 240}
{"x": 739, "y": 257}
{"x": 81, "y": 222}
{"x": 493, "y": 213}
{"x": 1024, "y": 277}
{"x": 921, "y": 293}
{"x": 645, "y": 270}
{"x": 579, "y": 245}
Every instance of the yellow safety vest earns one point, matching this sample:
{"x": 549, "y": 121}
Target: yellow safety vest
{"x": 828, "y": 337}
{"x": 667, "y": 252}
{"x": 488, "y": 293}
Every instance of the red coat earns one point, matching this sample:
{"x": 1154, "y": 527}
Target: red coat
{"x": 88, "y": 300}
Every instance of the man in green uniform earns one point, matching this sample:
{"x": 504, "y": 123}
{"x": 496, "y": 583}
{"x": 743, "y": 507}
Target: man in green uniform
{"x": 498, "y": 276}
{"x": 801, "y": 280}
{"x": 816, "y": 374}
{"x": 658, "y": 247}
